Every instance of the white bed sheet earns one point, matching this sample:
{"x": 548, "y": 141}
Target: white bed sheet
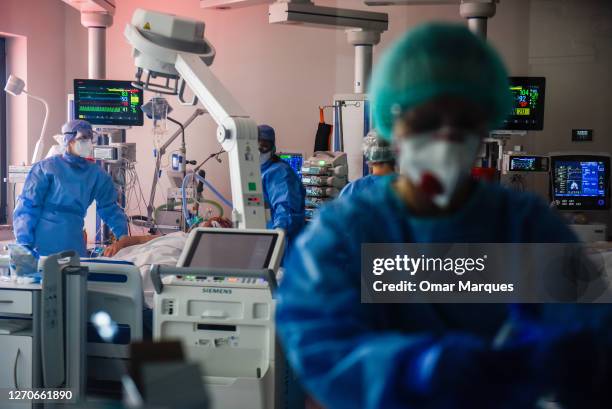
{"x": 162, "y": 250}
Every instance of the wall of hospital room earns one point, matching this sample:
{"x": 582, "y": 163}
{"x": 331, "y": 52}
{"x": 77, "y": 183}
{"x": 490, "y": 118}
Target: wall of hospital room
{"x": 35, "y": 52}
{"x": 280, "y": 74}
{"x": 571, "y": 45}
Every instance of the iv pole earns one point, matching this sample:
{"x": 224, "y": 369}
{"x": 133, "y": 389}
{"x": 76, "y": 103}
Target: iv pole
{"x": 162, "y": 151}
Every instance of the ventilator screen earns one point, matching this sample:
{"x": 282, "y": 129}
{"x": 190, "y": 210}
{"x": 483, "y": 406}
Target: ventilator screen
{"x": 231, "y": 250}
{"x": 580, "y": 182}
{"x": 106, "y": 102}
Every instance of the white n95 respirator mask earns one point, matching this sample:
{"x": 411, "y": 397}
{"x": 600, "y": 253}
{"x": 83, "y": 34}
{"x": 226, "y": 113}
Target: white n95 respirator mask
{"x": 437, "y": 166}
{"x": 83, "y": 148}
{"x": 264, "y": 157}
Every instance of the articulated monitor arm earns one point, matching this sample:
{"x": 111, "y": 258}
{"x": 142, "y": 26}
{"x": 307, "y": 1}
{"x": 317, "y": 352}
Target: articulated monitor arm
{"x": 236, "y": 132}
{"x": 171, "y": 48}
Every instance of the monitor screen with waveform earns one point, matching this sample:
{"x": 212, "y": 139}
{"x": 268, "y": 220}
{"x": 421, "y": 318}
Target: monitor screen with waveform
{"x": 295, "y": 160}
{"x": 527, "y": 112}
{"x": 108, "y": 102}
{"x": 580, "y": 182}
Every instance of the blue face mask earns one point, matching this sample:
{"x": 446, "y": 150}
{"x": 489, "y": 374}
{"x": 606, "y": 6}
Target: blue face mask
{"x": 437, "y": 166}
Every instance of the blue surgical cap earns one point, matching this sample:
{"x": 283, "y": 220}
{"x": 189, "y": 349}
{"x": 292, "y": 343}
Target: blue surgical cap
{"x": 266, "y": 133}
{"x": 71, "y": 129}
{"x": 433, "y": 60}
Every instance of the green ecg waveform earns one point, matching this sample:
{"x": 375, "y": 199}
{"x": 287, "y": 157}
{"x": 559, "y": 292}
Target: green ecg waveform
{"x": 99, "y": 109}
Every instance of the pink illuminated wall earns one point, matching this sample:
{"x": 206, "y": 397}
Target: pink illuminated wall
{"x": 35, "y": 32}
{"x": 280, "y": 74}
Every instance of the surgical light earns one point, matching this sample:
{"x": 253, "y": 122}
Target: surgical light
{"x": 174, "y": 48}
{"x": 157, "y": 38}
{"x": 16, "y": 86}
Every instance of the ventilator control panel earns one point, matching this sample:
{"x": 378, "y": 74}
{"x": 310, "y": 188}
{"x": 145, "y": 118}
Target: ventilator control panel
{"x": 522, "y": 162}
{"x": 212, "y": 281}
{"x": 581, "y": 182}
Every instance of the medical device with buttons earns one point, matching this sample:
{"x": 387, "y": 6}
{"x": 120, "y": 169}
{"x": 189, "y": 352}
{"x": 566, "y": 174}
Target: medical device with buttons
{"x": 580, "y": 181}
{"x": 523, "y": 162}
{"x": 219, "y": 302}
{"x": 295, "y": 160}
{"x": 324, "y": 175}
{"x": 580, "y": 189}
{"x": 115, "y": 152}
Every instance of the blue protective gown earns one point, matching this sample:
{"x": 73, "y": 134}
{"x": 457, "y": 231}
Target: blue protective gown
{"x": 354, "y": 355}
{"x": 360, "y": 184}
{"x": 284, "y": 195}
{"x": 50, "y": 213}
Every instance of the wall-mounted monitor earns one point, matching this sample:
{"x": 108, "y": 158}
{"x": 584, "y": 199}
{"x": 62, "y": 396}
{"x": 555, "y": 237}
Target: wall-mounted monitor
{"x": 108, "y": 102}
{"x": 527, "y": 104}
{"x": 580, "y": 181}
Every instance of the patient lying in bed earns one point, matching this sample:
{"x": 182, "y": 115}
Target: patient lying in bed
{"x": 143, "y": 251}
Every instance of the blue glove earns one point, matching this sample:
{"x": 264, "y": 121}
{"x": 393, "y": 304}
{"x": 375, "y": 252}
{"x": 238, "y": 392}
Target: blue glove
{"x": 33, "y": 252}
{"x": 23, "y": 261}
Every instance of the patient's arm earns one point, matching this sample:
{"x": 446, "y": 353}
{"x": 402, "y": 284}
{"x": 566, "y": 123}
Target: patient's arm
{"x": 126, "y": 241}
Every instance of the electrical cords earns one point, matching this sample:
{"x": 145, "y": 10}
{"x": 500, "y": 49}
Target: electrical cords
{"x": 212, "y": 155}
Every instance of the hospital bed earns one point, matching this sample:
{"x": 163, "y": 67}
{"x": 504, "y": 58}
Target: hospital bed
{"x": 114, "y": 287}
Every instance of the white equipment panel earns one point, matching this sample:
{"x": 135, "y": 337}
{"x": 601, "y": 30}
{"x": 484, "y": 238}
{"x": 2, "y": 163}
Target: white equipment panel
{"x": 223, "y": 311}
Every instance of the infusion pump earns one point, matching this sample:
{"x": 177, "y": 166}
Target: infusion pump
{"x": 513, "y": 162}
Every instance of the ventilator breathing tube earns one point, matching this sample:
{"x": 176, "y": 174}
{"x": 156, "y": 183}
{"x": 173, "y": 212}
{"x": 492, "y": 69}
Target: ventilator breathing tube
{"x": 215, "y": 191}
{"x": 184, "y": 197}
{"x": 205, "y": 183}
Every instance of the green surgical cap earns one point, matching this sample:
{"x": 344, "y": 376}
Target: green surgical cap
{"x": 438, "y": 59}
{"x": 377, "y": 149}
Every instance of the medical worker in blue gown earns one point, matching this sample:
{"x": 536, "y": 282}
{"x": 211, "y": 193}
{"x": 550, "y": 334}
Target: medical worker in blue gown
{"x": 50, "y": 213}
{"x": 380, "y": 158}
{"x": 284, "y": 193}
{"x": 436, "y": 92}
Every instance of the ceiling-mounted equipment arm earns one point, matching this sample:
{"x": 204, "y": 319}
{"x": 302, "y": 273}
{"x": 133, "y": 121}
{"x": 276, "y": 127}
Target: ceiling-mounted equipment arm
{"x": 171, "y": 48}
{"x": 363, "y": 29}
{"x": 477, "y": 12}
{"x": 216, "y": 99}
{"x": 236, "y": 132}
